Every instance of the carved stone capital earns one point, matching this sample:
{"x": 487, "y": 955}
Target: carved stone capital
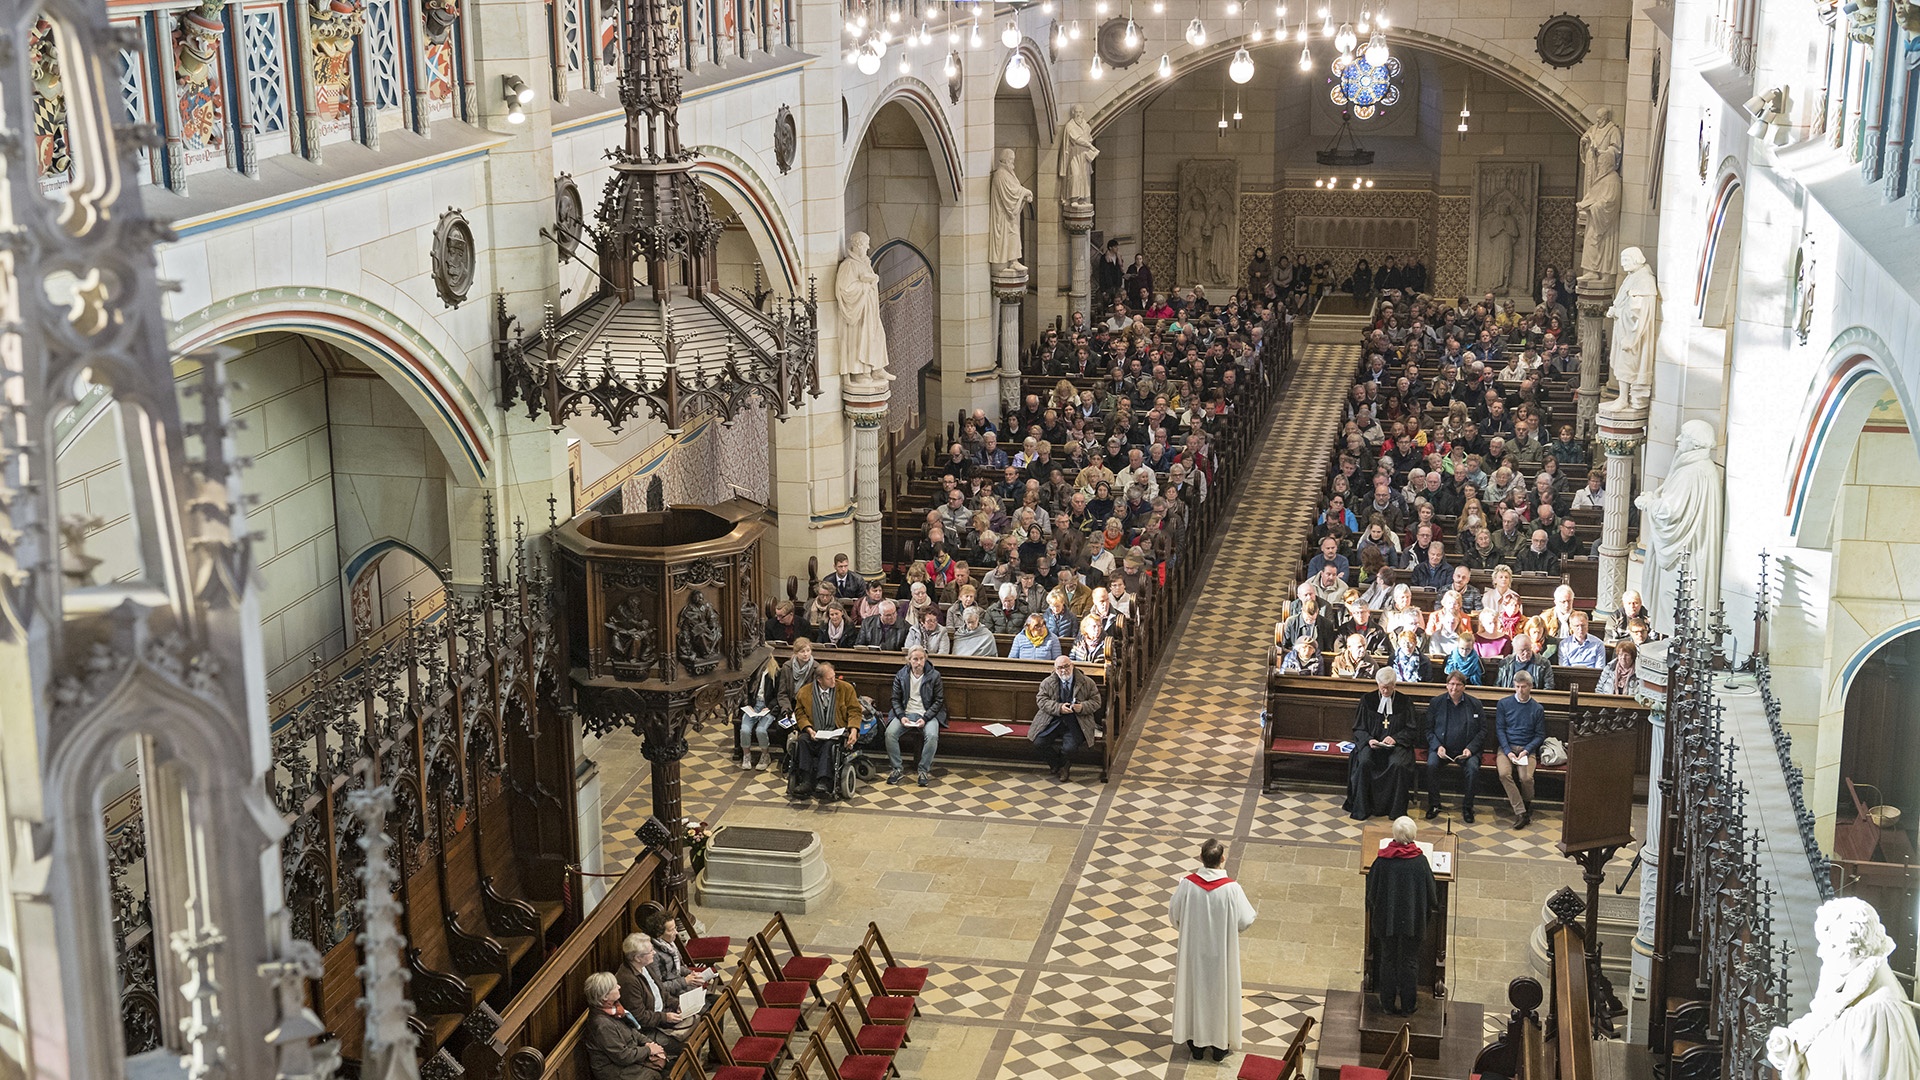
{"x": 1010, "y": 283}
{"x": 866, "y": 413}
{"x": 1077, "y": 217}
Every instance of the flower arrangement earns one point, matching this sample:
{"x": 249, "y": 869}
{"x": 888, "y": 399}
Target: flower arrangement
{"x": 697, "y": 834}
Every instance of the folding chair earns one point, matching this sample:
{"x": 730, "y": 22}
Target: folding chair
{"x": 872, "y": 1038}
{"x": 896, "y": 978}
{"x": 706, "y": 1039}
{"x": 763, "y": 1052}
{"x": 701, "y": 951}
{"x": 1395, "y": 1064}
{"x": 799, "y": 967}
{"x": 1286, "y": 1067}
{"x": 776, "y": 991}
{"x": 853, "y": 1064}
{"x": 885, "y": 1008}
{"x": 767, "y": 1019}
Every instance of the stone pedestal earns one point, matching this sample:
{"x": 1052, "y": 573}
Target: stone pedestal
{"x": 763, "y": 870}
{"x": 1591, "y": 303}
{"x": 1653, "y": 694}
{"x": 1620, "y": 433}
{"x": 866, "y": 406}
{"x": 1077, "y": 217}
{"x": 1010, "y": 288}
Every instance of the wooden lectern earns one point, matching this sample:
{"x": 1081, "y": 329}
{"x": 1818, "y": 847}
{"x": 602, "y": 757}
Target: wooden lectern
{"x": 1433, "y": 953}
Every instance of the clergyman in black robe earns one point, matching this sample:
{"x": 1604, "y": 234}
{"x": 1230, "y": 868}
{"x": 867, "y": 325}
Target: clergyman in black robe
{"x": 1400, "y": 895}
{"x": 1380, "y": 769}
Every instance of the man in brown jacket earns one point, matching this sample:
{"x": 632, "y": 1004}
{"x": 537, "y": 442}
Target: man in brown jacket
{"x": 1066, "y": 716}
{"x": 828, "y": 704}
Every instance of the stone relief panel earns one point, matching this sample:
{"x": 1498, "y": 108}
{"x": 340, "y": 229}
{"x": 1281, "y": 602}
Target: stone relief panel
{"x": 1452, "y": 222}
{"x": 1506, "y": 200}
{"x": 1334, "y": 225}
{"x": 1207, "y": 228}
{"x": 1158, "y": 211}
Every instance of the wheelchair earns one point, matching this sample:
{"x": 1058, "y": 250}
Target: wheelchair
{"x": 849, "y": 766}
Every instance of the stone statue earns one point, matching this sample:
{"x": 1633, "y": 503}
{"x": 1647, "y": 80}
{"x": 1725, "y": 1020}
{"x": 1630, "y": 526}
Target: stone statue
{"x": 863, "y": 337}
{"x": 1599, "y": 206}
{"x": 1635, "y": 310}
{"x": 698, "y": 642}
{"x": 633, "y": 634}
{"x": 1208, "y": 237}
{"x": 75, "y": 564}
{"x": 1005, "y": 199}
{"x": 1859, "y": 1025}
{"x": 1503, "y": 243}
{"x": 1685, "y": 515}
{"x": 1076, "y": 158}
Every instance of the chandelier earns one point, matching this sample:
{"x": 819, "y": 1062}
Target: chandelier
{"x": 659, "y": 335}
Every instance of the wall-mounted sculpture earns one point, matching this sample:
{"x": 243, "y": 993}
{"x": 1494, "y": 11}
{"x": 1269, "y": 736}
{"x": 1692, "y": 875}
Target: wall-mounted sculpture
{"x": 1208, "y": 229}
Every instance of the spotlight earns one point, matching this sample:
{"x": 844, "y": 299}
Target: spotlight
{"x": 1241, "y": 69}
{"x": 516, "y": 93}
{"x": 1196, "y": 33}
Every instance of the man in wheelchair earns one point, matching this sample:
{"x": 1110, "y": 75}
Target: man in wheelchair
{"x": 830, "y": 704}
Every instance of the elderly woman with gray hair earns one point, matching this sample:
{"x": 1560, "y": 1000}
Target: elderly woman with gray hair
{"x": 642, "y": 995}
{"x": 618, "y": 1047}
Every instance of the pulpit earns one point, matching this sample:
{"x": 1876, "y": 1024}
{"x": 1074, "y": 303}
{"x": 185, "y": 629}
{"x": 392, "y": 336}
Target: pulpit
{"x": 1443, "y": 852}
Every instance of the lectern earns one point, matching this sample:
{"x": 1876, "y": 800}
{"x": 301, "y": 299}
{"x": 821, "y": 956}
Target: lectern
{"x": 1445, "y": 857}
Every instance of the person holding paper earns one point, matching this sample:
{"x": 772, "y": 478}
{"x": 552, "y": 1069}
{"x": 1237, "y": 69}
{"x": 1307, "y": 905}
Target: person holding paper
{"x": 1520, "y": 725}
{"x": 641, "y": 995}
{"x": 829, "y": 704}
{"x": 1400, "y": 894}
{"x": 1066, "y": 716}
{"x": 919, "y": 704}
{"x": 1456, "y": 727}
{"x": 1209, "y": 910}
{"x": 1380, "y": 770}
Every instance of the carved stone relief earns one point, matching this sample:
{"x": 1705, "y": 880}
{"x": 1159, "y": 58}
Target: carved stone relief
{"x": 1505, "y": 208}
{"x": 1208, "y": 223}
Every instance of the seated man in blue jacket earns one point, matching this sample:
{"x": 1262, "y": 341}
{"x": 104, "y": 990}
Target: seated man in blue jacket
{"x": 1455, "y": 730}
{"x": 919, "y": 704}
{"x": 1520, "y": 726}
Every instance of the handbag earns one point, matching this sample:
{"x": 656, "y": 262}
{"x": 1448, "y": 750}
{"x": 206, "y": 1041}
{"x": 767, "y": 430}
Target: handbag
{"x": 1553, "y": 752}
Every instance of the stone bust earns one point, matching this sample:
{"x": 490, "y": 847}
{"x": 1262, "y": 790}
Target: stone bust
{"x": 1859, "y": 1025}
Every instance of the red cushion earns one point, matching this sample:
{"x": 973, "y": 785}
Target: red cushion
{"x": 774, "y": 1021}
{"x": 904, "y": 980}
{"x": 890, "y": 1008}
{"x": 979, "y": 727}
{"x": 864, "y": 1066}
{"x": 740, "y": 1072}
{"x": 1362, "y": 1072}
{"x": 1256, "y": 1067}
{"x": 784, "y": 993}
{"x": 759, "y": 1049}
{"x": 708, "y": 948}
{"x": 883, "y": 1037}
{"x": 806, "y": 968}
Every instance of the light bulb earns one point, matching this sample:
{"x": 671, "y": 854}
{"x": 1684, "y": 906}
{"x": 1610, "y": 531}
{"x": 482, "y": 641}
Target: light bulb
{"x": 1326, "y": 28}
{"x": 852, "y": 29}
{"x": 974, "y": 40}
{"x": 1369, "y": 183}
{"x": 1100, "y": 8}
{"x": 1381, "y": 20}
{"x": 1094, "y": 69}
{"x": 869, "y": 62}
{"x": 1060, "y": 37}
{"x": 926, "y": 35}
{"x": 860, "y": 22}
{"x": 1046, "y": 7}
{"x": 1196, "y": 33}
{"x": 1166, "y": 66}
{"x": 1132, "y": 36}
{"x": 1010, "y": 36}
{"x": 1377, "y": 51}
{"x": 1073, "y": 30}
{"x": 886, "y": 36}
{"x": 893, "y": 16}
{"x": 1306, "y": 59}
{"x": 1018, "y": 73}
{"x": 906, "y": 63}
{"x": 1236, "y": 114}
{"x": 1280, "y": 12}
{"x": 1223, "y": 123}
{"x": 1319, "y": 183}
{"x": 951, "y": 67}
{"x": 1241, "y": 69}
{"x": 1356, "y": 185}
{"x": 1159, "y": 7}
{"x": 1233, "y": 7}
{"x": 953, "y": 36}
{"x": 1345, "y": 40}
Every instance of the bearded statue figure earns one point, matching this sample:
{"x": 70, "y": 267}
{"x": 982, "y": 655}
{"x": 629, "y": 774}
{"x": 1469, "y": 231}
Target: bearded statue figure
{"x": 1860, "y": 1025}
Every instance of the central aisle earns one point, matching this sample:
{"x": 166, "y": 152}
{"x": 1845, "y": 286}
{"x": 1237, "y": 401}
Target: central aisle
{"x": 1042, "y": 906}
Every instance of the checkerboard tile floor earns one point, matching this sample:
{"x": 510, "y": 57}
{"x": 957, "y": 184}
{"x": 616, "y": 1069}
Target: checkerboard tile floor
{"x": 1092, "y": 1001}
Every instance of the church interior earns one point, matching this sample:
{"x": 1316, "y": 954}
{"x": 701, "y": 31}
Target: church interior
{"x": 765, "y": 539}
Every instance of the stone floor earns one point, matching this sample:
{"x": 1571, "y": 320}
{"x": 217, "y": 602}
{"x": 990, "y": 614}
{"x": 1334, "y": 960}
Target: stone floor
{"x": 1042, "y": 906}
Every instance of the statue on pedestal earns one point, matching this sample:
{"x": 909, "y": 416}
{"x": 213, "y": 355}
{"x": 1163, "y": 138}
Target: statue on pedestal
{"x": 1599, "y": 206}
{"x": 1859, "y": 1025}
{"x": 1636, "y": 308}
{"x": 863, "y": 337}
{"x": 1076, "y": 158}
{"x": 1685, "y": 515}
{"x": 1005, "y": 199}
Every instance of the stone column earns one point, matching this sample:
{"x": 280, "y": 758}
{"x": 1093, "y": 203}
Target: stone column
{"x": 867, "y": 407}
{"x": 1653, "y": 694}
{"x": 1591, "y": 302}
{"x": 1078, "y": 218}
{"x": 1010, "y": 288}
{"x": 1621, "y": 431}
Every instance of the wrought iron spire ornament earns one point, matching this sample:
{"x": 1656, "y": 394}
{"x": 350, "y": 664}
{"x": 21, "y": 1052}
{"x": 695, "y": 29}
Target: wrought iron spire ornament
{"x": 659, "y": 335}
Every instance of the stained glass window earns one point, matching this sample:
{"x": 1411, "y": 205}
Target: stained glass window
{"x": 1363, "y": 87}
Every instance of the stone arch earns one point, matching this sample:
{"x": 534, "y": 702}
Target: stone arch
{"x": 922, "y": 103}
{"x": 1714, "y": 279}
{"x": 1046, "y": 103}
{"x": 376, "y": 606}
{"x": 760, "y": 211}
{"x": 1539, "y": 82}
{"x": 1859, "y": 370}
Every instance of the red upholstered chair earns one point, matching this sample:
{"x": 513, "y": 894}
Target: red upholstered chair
{"x": 766, "y": 1018}
{"x": 853, "y": 1064}
{"x": 894, "y": 977}
{"x": 707, "y": 1039}
{"x": 1395, "y": 1064}
{"x": 872, "y": 1038}
{"x": 1285, "y": 1067}
{"x": 701, "y": 951}
{"x": 885, "y": 1008}
{"x": 798, "y": 966}
{"x": 775, "y": 990}
{"x": 764, "y": 1052}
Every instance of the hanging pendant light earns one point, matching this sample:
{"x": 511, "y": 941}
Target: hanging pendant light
{"x": 1095, "y": 70}
{"x": 1060, "y": 37}
{"x": 1196, "y": 33}
{"x": 1255, "y": 34}
{"x": 1018, "y": 73}
{"x": 1306, "y": 59}
{"x": 1131, "y": 38}
{"x": 1241, "y": 69}
{"x": 952, "y": 66}
{"x": 869, "y": 60}
{"x": 1377, "y": 53}
{"x": 1073, "y": 29}
{"x": 1345, "y": 39}
{"x": 1166, "y": 66}
{"x": 974, "y": 40}
{"x": 1010, "y": 35}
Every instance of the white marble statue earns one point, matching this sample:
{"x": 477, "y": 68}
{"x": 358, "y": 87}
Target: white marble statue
{"x": 1685, "y": 515}
{"x": 1636, "y": 308}
{"x": 1076, "y": 158}
{"x": 1599, "y": 206}
{"x": 1005, "y": 199}
{"x": 1859, "y": 1025}
{"x": 863, "y": 338}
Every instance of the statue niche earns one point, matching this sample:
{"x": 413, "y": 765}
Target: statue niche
{"x": 697, "y": 643}
{"x": 634, "y": 641}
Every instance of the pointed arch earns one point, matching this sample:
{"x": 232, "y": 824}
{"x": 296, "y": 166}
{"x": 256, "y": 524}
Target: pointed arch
{"x": 1858, "y": 371}
{"x": 760, "y": 211}
{"x": 923, "y": 105}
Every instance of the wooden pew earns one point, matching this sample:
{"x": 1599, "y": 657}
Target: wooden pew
{"x": 1303, "y": 711}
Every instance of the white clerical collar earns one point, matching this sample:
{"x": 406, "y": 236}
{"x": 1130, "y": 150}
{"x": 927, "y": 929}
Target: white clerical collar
{"x": 1386, "y": 705}
{"x": 1213, "y": 874}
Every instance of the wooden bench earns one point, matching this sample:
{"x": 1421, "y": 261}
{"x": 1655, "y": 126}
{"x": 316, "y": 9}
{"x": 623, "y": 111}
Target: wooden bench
{"x": 1304, "y": 712}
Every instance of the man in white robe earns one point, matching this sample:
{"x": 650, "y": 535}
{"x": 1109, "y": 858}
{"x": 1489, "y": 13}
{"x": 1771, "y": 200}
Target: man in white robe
{"x": 1209, "y": 910}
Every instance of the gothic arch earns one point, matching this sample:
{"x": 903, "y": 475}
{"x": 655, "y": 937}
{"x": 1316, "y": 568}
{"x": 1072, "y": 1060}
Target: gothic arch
{"x": 1539, "y": 82}
{"x": 1858, "y": 371}
{"x": 1720, "y": 256}
{"x": 923, "y": 105}
{"x": 760, "y": 212}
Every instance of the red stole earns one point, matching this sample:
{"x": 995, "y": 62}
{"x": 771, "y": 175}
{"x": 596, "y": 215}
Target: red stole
{"x": 1208, "y": 886}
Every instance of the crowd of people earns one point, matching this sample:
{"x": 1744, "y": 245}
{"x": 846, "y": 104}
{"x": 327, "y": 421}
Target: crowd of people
{"x": 1050, "y": 525}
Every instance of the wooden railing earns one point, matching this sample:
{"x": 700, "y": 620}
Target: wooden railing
{"x": 537, "y": 1018}
{"x": 1572, "y": 1007}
